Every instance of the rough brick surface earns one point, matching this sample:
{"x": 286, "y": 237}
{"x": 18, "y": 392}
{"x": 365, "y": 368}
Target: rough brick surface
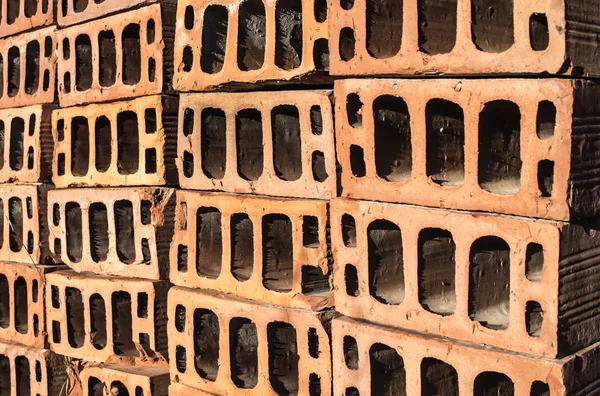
{"x": 100, "y": 318}
{"x": 235, "y": 347}
{"x": 117, "y": 57}
{"x": 263, "y": 143}
{"x": 19, "y": 16}
{"x": 264, "y": 249}
{"x": 125, "y": 380}
{"x": 371, "y": 359}
{"x": 120, "y": 231}
{"x": 176, "y": 389}
{"x": 28, "y": 68}
{"x": 222, "y": 42}
{"x": 524, "y": 147}
{"x": 128, "y": 143}
{"x": 72, "y": 12}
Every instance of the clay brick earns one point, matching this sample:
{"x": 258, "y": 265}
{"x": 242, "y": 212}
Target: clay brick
{"x": 95, "y": 317}
{"x": 125, "y": 380}
{"x": 377, "y": 360}
{"x": 116, "y": 231}
{"x": 72, "y": 12}
{"x": 176, "y": 389}
{"x": 524, "y": 147}
{"x": 19, "y": 16}
{"x": 245, "y": 42}
{"x": 28, "y": 68}
{"x": 278, "y": 144}
{"x": 269, "y": 250}
{"x": 129, "y": 143}
{"x": 236, "y": 347}
{"x": 118, "y": 57}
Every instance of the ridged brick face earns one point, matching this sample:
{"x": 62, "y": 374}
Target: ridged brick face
{"x": 71, "y": 12}
{"x": 128, "y": 380}
{"x": 18, "y": 16}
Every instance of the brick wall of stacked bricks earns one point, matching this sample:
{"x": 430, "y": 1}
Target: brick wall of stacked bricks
{"x": 299, "y": 197}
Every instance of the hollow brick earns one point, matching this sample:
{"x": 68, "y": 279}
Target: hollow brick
{"x": 129, "y": 143}
{"x": 71, "y": 12}
{"x": 20, "y": 16}
{"x": 231, "y": 346}
{"x": 176, "y": 389}
{"x": 117, "y": 231}
{"x": 523, "y": 147}
{"x": 103, "y": 318}
{"x": 264, "y": 249}
{"x": 126, "y": 380}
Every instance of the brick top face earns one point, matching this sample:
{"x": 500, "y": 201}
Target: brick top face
{"x": 19, "y": 16}
{"x": 71, "y": 12}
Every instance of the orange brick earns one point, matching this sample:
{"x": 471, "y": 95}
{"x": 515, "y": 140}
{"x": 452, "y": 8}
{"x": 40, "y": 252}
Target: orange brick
{"x": 524, "y": 147}
{"x": 129, "y": 143}
{"x": 96, "y": 317}
{"x": 269, "y": 250}
{"x": 117, "y": 231}
{"x": 28, "y": 68}
{"x": 246, "y": 42}
{"x": 278, "y": 144}
{"x": 72, "y": 12}
{"x": 176, "y": 389}
{"x": 235, "y": 347}
{"x": 125, "y": 380}
{"x": 19, "y": 16}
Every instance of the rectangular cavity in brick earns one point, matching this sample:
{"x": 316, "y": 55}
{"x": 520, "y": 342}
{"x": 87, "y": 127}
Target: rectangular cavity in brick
{"x": 249, "y": 41}
{"x": 121, "y": 56}
{"x": 93, "y": 317}
{"x": 120, "y": 231}
{"x": 519, "y": 147}
{"x": 261, "y": 143}
{"x": 264, "y": 249}
{"x": 126, "y": 380}
{"x": 232, "y": 346}
{"x": 72, "y": 12}
{"x": 116, "y": 144}
{"x": 18, "y": 16}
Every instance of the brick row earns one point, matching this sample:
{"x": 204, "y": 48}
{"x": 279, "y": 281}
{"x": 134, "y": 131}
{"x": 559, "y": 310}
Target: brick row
{"x": 124, "y": 380}
{"x": 71, "y": 12}
{"x": 19, "y": 16}
{"x": 128, "y": 143}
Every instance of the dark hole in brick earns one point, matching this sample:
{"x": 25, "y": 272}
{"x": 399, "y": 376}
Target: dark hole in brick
{"x": 124, "y": 228}
{"x": 316, "y": 120}
{"x": 283, "y": 358}
{"x": 5, "y": 381}
{"x": 56, "y": 336}
{"x": 80, "y": 146}
{"x": 36, "y": 325}
{"x": 384, "y": 27}
{"x": 251, "y": 35}
{"x": 310, "y": 231}
{"x": 187, "y": 58}
{"x": 314, "y": 281}
{"x": 188, "y": 164}
{"x": 55, "y": 297}
{"x": 182, "y": 258}
{"x": 539, "y": 388}
{"x": 80, "y": 5}
{"x": 60, "y": 129}
{"x": 142, "y": 305}
{"x": 388, "y": 375}
{"x": 122, "y": 324}
{"x": 145, "y": 211}
{"x": 75, "y": 317}
{"x": 31, "y": 126}
{"x": 287, "y": 143}
{"x": 539, "y": 37}
{"x": 386, "y": 262}
{"x": 98, "y": 321}
{"x": 103, "y": 139}
{"x": 206, "y": 344}
{"x": 492, "y": 25}
{"x": 98, "y": 220}
{"x": 46, "y": 82}
{"x": 313, "y": 343}
{"x": 38, "y": 371}
{"x": 2, "y": 221}
{"x": 23, "y": 375}
{"x": 95, "y": 387}
{"x": 278, "y": 255}
{"x": 30, "y": 242}
{"x": 352, "y": 392}
{"x": 14, "y": 72}
{"x": 249, "y": 143}
{"x": 151, "y": 69}
{"x": 188, "y": 121}
{"x": 534, "y": 262}
{"x": 438, "y": 378}
{"x": 17, "y": 131}
{"x": 144, "y": 341}
{"x": 347, "y": 44}
{"x": 393, "y": 146}
{"x": 15, "y": 217}
{"x": 493, "y": 383}
{"x": 180, "y": 359}
{"x": 21, "y": 303}
{"x": 489, "y": 282}
{"x": 12, "y": 11}
{"x": 546, "y": 120}
{"x": 107, "y": 58}
{"x": 321, "y": 54}
{"x": 1, "y": 74}
{"x": 83, "y": 63}
{"x": 437, "y": 26}
{"x": 48, "y": 46}
{"x": 56, "y": 214}
{"x": 499, "y": 160}
{"x": 288, "y": 34}
{"x": 347, "y": 4}
{"x": 32, "y": 66}
{"x": 357, "y": 161}
{"x": 4, "y": 303}
{"x": 209, "y": 242}
{"x": 318, "y": 166}
{"x": 213, "y": 136}
{"x": 351, "y": 280}
{"x": 132, "y": 57}
{"x": 29, "y": 205}
{"x": 354, "y": 110}
{"x": 66, "y": 47}
{"x": 534, "y": 317}
{"x": 314, "y": 385}
{"x": 214, "y": 39}
{"x": 118, "y": 388}
{"x": 60, "y": 164}
{"x": 150, "y": 120}
{"x": 351, "y": 356}
{"x": 2, "y": 134}
{"x": 242, "y": 246}
{"x": 67, "y": 82}
{"x": 151, "y": 161}
{"x": 180, "y": 318}
{"x": 437, "y": 269}
{"x": 243, "y": 352}
{"x": 34, "y": 290}
{"x": 30, "y": 158}
{"x": 127, "y": 143}
{"x": 545, "y": 176}
{"x": 150, "y": 31}
{"x": 189, "y": 17}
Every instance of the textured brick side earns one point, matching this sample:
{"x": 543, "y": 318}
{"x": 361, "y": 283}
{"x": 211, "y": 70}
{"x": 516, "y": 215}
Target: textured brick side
{"x": 72, "y": 12}
{"x": 20, "y": 16}
{"x": 132, "y": 380}
{"x": 176, "y": 389}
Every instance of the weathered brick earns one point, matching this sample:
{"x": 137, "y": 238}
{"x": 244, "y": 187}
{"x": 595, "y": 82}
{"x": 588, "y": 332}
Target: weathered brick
{"x": 72, "y": 12}
{"x": 129, "y": 143}
{"x": 116, "y": 231}
{"x": 269, "y": 250}
{"x": 28, "y": 68}
{"x": 19, "y": 16}
{"x": 124, "y": 380}
{"x": 176, "y": 389}
{"x": 236, "y": 347}
{"x": 117, "y": 57}
{"x": 95, "y": 317}
{"x": 278, "y": 144}
{"x": 525, "y": 147}
{"x": 245, "y": 42}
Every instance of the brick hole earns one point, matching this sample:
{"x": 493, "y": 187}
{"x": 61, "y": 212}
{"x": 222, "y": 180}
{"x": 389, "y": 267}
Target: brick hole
{"x": 546, "y": 120}
{"x": 142, "y": 305}
{"x": 287, "y": 142}
{"x": 283, "y": 358}
{"x": 29, "y": 206}
{"x": 351, "y": 280}
{"x": 437, "y": 26}
{"x": 21, "y": 306}
{"x": 539, "y": 37}
{"x": 95, "y": 387}
{"x": 44, "y": 6}
{"x": 145, "y": 212}
{"x": 351, "y": 356}
{"x": 150, "y": 31}
{"x": 98, "y": 321}
{"x": 206, "y": 344}
{"x": 313, "y": 343}
{"x": 386, "y": 262}
{"x": 34, "y": 291}
{"x": 54, "y": 297}
{"x": 15, "y": 217}
{"x": 347, "y": 4}
{"x": 188, "y": 164}
{"x": 310, "y": 231}
{"x": 318, "y": 166}
{"x": 32, "y": 66}
{"x": 314, "y": 385}
{"x": 348, "y": 230}
{"x": 534, "y": 318}
{"x": 251, "y": 40}
{"x": 187, "y": 58}
{"x": 492, "y": 25}
{"x": 66, "y": 47}
{"x": 75, "y": 317}
{"x": 151, "y": 69}
{"x": 545, "y": 176}
{"x": 151, "y": 161}
{"x": 209, "y": 242}
{"x": 188, "y": 121}
{"x": 150, "y": 120}
{"x": 288, "y": 34}
{"x": 180, "y": 317}
{"x": 499, "y": 163}
{"x": 55, "y": 214}
{"x": 347, "y": 44}
{"x": 180, "y": 359}
{"x": 388, "y": 375}
{"x": 438, "y": 378}
{"x": 12, "y": 11}
{"x": 31, "y": 129}
{"x": 16, "y": 150}
{"x": 60, "y": 130}
{"x": 321, "y": 54}
{"x": 184, "y": 213}
{"x": 2, "y": 135}
{"x": 56, "y": 336}
{"x": 14, "y": 72}
{"x": 316, "y": 120}
{"x": 23, "y": 376}
{"x": 214, "y": 39}
{"x": 5, "y": 381}
{"x": 189, "y": 17}
{"x": 74, "y": 231}
{"x": 48, "y": 46}
{"x": 242, "y": 246}
{"x": 243, "y": 353}
{"x": 249, "y": 144}
{"x": 128, "y": 142}
{"x": 384, "y": 27}
{"x": 118, "y": 388}
{"x": 354, "y": 108}
{"x": 80, "y": 5}
{"x": 80, "y": 146}
{"x": 132, "y": 57}
{"x": 83, "y": 63}
{"x": 107, "y": 62}
{"x": 314, "y": 282}
{"x": 534, "y": 262}
{"x": 320, "y": 10}
{"x": 30, "y": 242}
{"x": 213, "y": 142}
{"x": 539, "y": 388}
{"x": 103, "y": 146}
{"x": 393, "y": 146}
{"x": 4, "y": 303}
{"x": 38, "y": 371}
{"x": 182, "y": 258}
{"x": 352, "y": 391}
{"x": 1, "y": 74}
{"x": 124, "y": 228}
{"x": 493, "y": 383}
{"x": 60, "y": 164}
{"x": 98, "y": 221}
{"x": 489, "y": 282}
{"x": 277, "y": 253}
{"x": 139, "y": 391}
{"x": 122, "y": 324}
{"x": 30, "y": 158}
{"x": 437, "y": 269}
{"x": 46, "y": 82}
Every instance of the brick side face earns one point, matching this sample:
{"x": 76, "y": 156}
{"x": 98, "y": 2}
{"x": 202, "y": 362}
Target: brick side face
{"x": 17, "y": 16}
{"x": 72, "y": 12}
{"x": 134, "y": 380}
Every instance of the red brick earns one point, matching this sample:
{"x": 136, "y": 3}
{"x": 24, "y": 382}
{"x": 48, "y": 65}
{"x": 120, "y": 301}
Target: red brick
{"x": 126, "y": 380}
{"x": 116, "y": 231}
{"x": 71, "y": 12}
{"x": 287, "y": 146}
{"x": 21, "y": 82}
{"x": 515, "y": 168}
{"x": 129, "y": 317}
{"x": 219, "y": 245}
{"x": 19, "y": 16}
{"x": 235, "y": 347}
{"x": 129, "y": 143}
{"x": 176, "y": 389}
{"x": 284, "y": 47}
